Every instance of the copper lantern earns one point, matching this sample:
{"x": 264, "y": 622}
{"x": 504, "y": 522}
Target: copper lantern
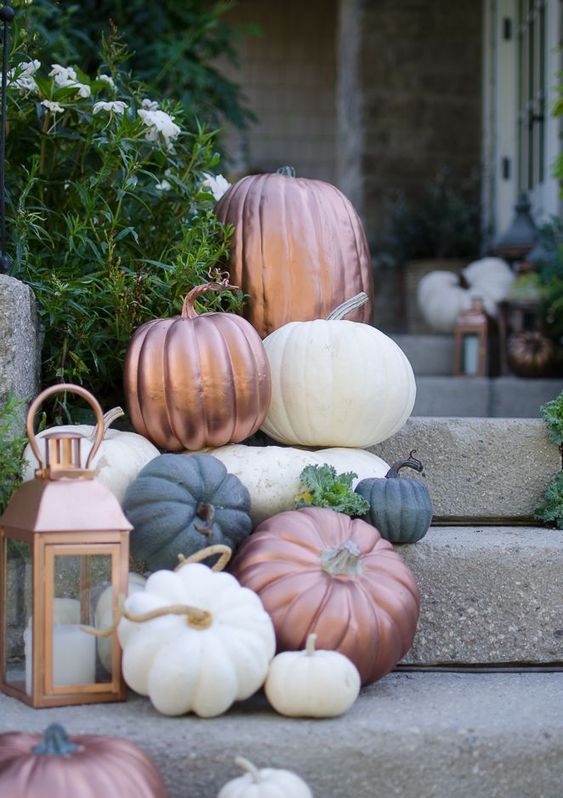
{"x": 64, "y": 542}
{"x": 472, "y": 342}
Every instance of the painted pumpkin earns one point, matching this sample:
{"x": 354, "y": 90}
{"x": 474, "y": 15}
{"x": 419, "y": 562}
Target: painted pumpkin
{"x": 195, "y": 641}
{"x": 312, "y": 683}
{"x": 194, "y": 381}
{"x": 400, "y": 508}
{"x": 299, "y": 249}
{"x": 336, "y": 383}
{"x": 86, "y": 765}
{"x": 180, "y": 504}
{"x": 264, "y": 783}
{"x": 321, "y": 571}
{"x": 118, "y": 461}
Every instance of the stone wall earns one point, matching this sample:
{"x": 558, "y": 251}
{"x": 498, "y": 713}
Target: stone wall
{"x": 19, "y": 340}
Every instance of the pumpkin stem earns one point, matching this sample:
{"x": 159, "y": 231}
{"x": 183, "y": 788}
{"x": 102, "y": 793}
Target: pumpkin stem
{"x": 310, "y": 644}
{"x": 109, "y": 418}
{"x": 347, "y": 307}
{"x": 188, "y": 310}
{"x": 55, "y": 742}
{"x": 245, "y": 764}
{"x": 219, "y": 548}
{"x": 410, "y": 462}
{"x": 206, "y": 512}
{"x": 288, "y": 171}
{"x": 195, "y": 617}
{"x": 342, "y": 561}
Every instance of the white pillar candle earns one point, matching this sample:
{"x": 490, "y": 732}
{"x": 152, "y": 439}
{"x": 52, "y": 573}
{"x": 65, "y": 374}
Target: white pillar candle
{"x": 74, "y": 656}
{"x": 471, "y": 354}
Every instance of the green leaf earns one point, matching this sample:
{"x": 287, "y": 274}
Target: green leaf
{"x": 323, "y": 487}
{"x": 550, "y": 509}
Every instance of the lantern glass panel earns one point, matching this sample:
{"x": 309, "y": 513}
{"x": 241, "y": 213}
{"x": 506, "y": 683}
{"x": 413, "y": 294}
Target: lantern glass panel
{"x": 17, "y": 601}
{"x": 82, "y": 596}
{"x": 470, "y": 353}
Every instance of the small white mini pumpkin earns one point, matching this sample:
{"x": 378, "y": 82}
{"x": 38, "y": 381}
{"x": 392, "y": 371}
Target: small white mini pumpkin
{"x": 118, "y": 461}
{"x": 195, "y": 641}
{"x": 311, "y": 683}
{"x": 266, "y": 783}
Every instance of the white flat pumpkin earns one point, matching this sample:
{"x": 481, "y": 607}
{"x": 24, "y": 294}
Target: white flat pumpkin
{"x": 365, "y": 464}
{"x": 264, "y": 783}
{"x": 201, "y": 660}
{"x": 118, "y": 461}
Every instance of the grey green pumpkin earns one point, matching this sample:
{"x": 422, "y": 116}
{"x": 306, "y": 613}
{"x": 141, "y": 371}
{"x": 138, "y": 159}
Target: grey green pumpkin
{"x": 400, "y": 507}
{"x": 180, "y": 504}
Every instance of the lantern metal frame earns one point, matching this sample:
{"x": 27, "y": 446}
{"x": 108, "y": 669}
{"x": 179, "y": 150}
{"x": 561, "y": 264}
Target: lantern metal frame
{"x": 63, "y": 512}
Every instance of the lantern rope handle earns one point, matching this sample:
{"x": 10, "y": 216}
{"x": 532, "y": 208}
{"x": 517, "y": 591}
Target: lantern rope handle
{"x": 219, "y": 548}
{"x": 188, "y": 310}
{"x": 61, "y": 388}
{"x": 347, "y": 307}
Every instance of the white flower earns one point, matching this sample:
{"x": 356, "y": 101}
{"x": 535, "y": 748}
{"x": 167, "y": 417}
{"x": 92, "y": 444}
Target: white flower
{"x": 24, "y": 80}
{"x": 117, "y": 106}
{"x": 149, "y": 105}
{"x": 164, "y": 185}
{"x": 217, "y": 184}
{"x": 66, "y": 77}
{"x": 159, "y": 122}
{"x": 55, "y": 108}
{"x": 107, "y": 79}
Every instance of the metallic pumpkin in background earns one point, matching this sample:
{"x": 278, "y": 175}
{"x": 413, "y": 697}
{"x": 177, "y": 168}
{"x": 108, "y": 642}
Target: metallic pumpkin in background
{"x": 197, "y": 380}
{"x": 299, "y": 249}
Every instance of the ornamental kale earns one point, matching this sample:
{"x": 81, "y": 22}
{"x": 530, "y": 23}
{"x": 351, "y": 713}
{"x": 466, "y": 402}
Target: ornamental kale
{"x": 323, "y": 487}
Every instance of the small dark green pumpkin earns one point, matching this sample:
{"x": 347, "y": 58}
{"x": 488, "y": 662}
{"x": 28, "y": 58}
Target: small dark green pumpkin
{"x": 400, "y": 507}
{"x": 180, "y": 504}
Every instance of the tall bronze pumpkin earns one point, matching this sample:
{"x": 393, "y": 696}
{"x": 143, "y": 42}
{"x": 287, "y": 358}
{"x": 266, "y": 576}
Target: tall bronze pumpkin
{"x": 299, "y": 249}
{"x": 197, "y": 380}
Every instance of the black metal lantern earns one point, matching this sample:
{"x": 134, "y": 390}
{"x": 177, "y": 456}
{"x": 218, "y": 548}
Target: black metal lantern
{"x": 515, "y": 243}
{"x": 6, "y": 17}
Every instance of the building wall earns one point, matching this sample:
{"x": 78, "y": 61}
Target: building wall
{"x": 421, "y": 76}
{"x": 288, "y": 76}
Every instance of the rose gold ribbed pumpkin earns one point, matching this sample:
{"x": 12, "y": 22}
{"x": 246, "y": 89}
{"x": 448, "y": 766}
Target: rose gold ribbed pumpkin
{"x": 320, "y": 571}
{"x": 197, "y": 380}
{"x": 86, "y": 766}
{"x": 299, "y": 249}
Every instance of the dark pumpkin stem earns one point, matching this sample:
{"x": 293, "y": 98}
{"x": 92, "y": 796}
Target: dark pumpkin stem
{"x": 206, "y": 512}
{"x": 55, "y": 742}
{"x": 287, "y": 171}
{"x": 188, "y": 309}
{"x": 343, "y": 560}
{"x": 410, "y": 462}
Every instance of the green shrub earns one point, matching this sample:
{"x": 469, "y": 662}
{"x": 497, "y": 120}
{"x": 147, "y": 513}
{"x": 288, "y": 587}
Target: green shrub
{"x": 550, "y": 508}
{"x": 112, "y": 223}
{"x": 12, "y": 443}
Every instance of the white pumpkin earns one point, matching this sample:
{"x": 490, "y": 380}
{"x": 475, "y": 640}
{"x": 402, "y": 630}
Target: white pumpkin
{"x": 199, "y": 660}
{"x": 336, "y": 383}
{"x": 441, "y": 297}
{"x": 265, "y": 783}
{"x": 365, "y": 464}
{"x": 118, "y": 460}
{"x": 103, "y": 616}
{"x": 311, "y": 683}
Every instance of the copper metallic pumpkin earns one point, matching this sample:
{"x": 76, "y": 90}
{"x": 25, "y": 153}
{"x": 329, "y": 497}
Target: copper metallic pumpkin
{"x": 86, "y": 766}
{"x": 530, "y": 354}
{"x": 299, "y": 249}
{"x": 319, "y": 571}
{"x": 197, "y": 380}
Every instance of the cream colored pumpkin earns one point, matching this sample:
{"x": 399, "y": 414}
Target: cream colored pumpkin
{"x": 118, "y": 461}
{"x": 265, "y": 783}
{"x": 311, "y": 683}
{"x": 441, "y": 297}
{"x": 336, "y": 383}
{"x": 200, "y": 658}
{"x": 103, "y": 616}
{"x": 271, "y": 473}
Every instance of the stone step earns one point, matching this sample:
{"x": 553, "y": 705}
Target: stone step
{"x": 427, "y": 354}
{"x": 443, "y": 735}
{"x": 479, "y": 469}
{"x": 489, "y": 596}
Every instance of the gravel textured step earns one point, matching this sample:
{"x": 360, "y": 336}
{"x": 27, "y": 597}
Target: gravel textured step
{"x": 479, "y": 468}
{"x": 410, "y": 735}
{"x": 490, "y": 596}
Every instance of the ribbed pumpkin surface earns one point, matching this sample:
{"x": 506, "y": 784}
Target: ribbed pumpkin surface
{"x": 400, "y": 508}
{"x": 299, "y": 249}
{"x": 180, "y": 504}
{"x": 196, "y": 382}
{"x": 368, "y": 612}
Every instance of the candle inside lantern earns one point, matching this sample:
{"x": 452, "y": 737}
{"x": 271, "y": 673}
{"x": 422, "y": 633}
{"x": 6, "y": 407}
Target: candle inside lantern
{"x": 74, "y": 656}
{"x": 470, "y": 354}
